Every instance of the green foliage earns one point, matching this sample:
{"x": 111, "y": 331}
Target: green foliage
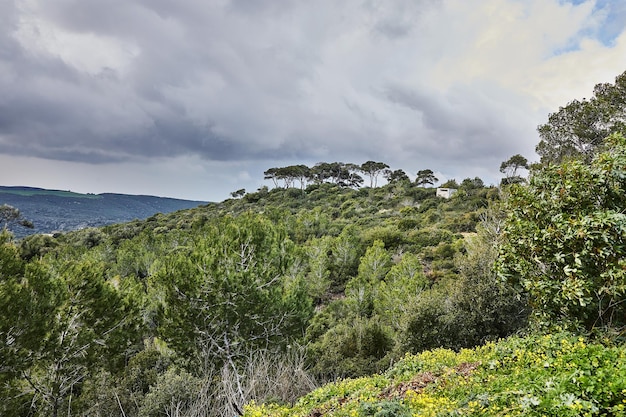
{"x": 131, "y": 391}
{"x": 361, "y": 291}
{"x": 16, "y": 334}
{"x": 10, "y": 215}
{"x": 396, "y": 176}
{"x": 404, "y": 282}
{"x": 551, "y": 375}
{"x": 194, "y": 295}
{"x": 390, "y": 236}
{"x": 407, "y": 224}
{"x": 66, "y": 317}
{"x": 310, "y": 224}
{"x": 174, "y": 393}
{"x": 469, "y": 185}
{"x": 344, "y": 254}
{"x": 564, "y": 241}
{"x": 430, "y": 322}
{"x": 384, "y": 409}
{"x": 425, "y": 177}
{"x": 419, "y": 194}
{"x": 373, "y": 169}
{"x": 229, "y": 291}
{"x": 577, "y": 130}
{"x": 318, "y": 274}
{"x": 511, "y": 166}
{"x": 238, "y": 193}
{"x": 28, "y": 301}
{"x": 469, "y": 309}
{"x": 352, "y": 348}
{"x": 450, "y": 184}
{"x": 36, "y": 246}
{"x": 430, "y": 237}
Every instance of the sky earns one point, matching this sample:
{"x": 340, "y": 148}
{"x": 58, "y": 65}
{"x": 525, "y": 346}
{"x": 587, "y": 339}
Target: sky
{"x": 195, "y": 99}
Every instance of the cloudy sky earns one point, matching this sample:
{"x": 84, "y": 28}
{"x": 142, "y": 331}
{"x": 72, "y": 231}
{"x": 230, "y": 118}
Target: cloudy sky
{"x": 196, "y": 98}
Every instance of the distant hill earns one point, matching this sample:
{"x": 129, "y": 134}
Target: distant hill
{"x": 55, "y": 211}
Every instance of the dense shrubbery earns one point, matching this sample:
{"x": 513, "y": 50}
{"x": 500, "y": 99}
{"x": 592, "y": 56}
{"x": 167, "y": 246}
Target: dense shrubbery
{"x": 180, "y": 306}
{"x": 561, "y": 256}
{"x": 175, "y": 306}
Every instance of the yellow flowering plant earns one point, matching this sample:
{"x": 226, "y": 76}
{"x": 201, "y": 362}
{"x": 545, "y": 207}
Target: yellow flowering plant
{"x": 540, "y": 375}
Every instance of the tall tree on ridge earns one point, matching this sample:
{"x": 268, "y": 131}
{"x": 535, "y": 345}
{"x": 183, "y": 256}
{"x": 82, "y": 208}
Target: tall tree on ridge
{"x": 426, "y": 177}
{"x": 395, "y": 176}
{"x": 373, "y": 170}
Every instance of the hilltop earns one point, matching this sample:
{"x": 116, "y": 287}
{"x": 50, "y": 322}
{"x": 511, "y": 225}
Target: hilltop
{"x": 53, "y": 211}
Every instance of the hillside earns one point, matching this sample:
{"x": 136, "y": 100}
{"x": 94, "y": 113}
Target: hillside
{"x": 58, "y": 211}
{"x": 323, "y": 301}
{"x": 292, "y": 286}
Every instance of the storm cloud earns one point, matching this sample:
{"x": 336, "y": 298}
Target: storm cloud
{"x": 456, "y": 86}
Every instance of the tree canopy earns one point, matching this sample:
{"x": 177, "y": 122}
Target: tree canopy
{"x": 373, "y": 169}
{"x": 426, "y": 177}
{"x": 510, "y": 168}
{"x": 577, "y": 130}
{"x": 396, "y": 175}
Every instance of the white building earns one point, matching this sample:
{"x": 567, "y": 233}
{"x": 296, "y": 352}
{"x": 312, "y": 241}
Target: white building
{"x": 445, "y": 192}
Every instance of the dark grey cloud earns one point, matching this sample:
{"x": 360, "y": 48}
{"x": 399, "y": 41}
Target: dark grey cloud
{"x": 469, "y": 122}
{"x": 191, "y": 74}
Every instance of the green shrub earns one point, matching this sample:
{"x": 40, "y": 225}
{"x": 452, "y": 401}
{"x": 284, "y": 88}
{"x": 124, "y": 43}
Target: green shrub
{"x": 469, "y": 309}
{"x": 408, "y": 224}
{"x": 352, "y": 348}
{"x": 564, "y": 241}
{"x": 385, "y": 409}
{"x": 174, "y": 390}
{"x": 430, "y": 237}
{"x": 389, "y": 235}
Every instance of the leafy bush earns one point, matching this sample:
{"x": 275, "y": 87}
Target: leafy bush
{"x": 390, "y": 236}
{"x": 230, "y": 291}
{"x": 408, "y": 224}
{"x": 105, "y": 394}
{"x": 216, "y": 284}
{"x": 352, "y": 348}
{"x": 430, "y": 237}
{"x": 173, "y": 394}
{"x": 385, "y": 409}
{"x": 565, "y": 241}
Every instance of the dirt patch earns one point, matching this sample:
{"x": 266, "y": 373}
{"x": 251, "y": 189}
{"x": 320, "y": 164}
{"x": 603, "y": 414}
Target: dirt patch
{"x": 417, "y": 384}
{"x": 466, "y": 368}
{"x": 425, "y": 379}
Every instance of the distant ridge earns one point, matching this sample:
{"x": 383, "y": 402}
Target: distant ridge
{"x": 60, "y": 211}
